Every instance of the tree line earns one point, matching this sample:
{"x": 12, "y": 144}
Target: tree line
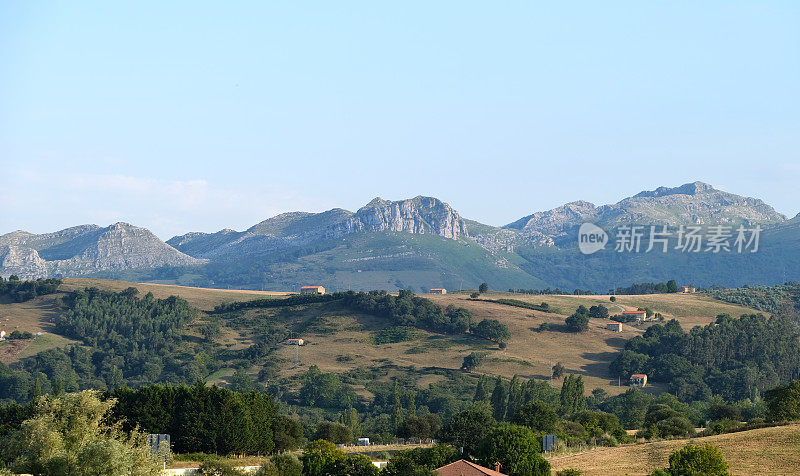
{"x": 735, "y": 358}
{"x": 17, "y": 290}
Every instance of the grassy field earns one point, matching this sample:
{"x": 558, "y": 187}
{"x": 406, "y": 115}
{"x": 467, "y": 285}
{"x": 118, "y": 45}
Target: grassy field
{"x": 766, "y": 451}
{"x": 339, "y": 340}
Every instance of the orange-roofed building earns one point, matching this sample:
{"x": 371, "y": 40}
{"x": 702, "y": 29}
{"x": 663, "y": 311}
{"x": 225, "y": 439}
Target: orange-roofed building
{"x": 465, "y": 468}
{"x": 638, "y": 380}
{"x": 641, "y": 315}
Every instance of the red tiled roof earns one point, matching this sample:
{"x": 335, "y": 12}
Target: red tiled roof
{"x": 310, "y": 287}
{"x": 638, "y": 376}
{"x": 634, "y": 312}
{"x": 465, "y": 468}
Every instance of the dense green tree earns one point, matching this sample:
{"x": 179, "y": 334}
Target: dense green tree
{"x": 483, "y": 288}
{"x": 287, "y": 433}
{"x": 287, "y": 464}
{"x": 322, "y": 389}
{"x": 472, "y": 361}
{"x": 598, "y": 312}
{"x": 630, "y": 406}
{"x": 538, "y": 416}
{"x": 783, "y": 403}
{"x": 70, "y": 434}
{"x": 694, "y": 460}
{"x": 493, "y": 330}
{"x": 517, "y": 450}
{"x": 481, "y": 393}
{"x": 419, "y": 427}
{"x": 499, "y": 399}
{"x": 201, "y": 418}
{"x": 319, "y": 457}
{"x": 579, "y": 320}
{"x": 334, "y": 432}
{"x": 672, "y": 286}
{"x": 558, "y": 370}
{"x": 420, "y": 461}
{"x": 466, "y": 429}
{"x": 572, "y": 397}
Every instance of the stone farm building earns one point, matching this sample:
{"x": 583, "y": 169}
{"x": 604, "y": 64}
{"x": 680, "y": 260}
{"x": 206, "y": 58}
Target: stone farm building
{"x": 638, "y": 380}
{"x": 614, "y": 326}
{"x": 312, "y": 290}
{"x": 639, "y": 315}
{"x": 438, "y": 291}
{"x": 294, "y": 342}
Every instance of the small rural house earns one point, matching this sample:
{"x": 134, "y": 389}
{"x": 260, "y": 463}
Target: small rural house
{"x": 2, "y": 335}
{"x": 363, "y": 442}
{"x": 465, "y": 468}
{"x": 688, "y": 289}
{"x": 312, "y": 290}
{"x": 639, "y": 315}
{"x": 294, "y": 342}
{"x": 638, "y": 380}
{"x": 438, "y": 291}
{"x": 614, "y": 326}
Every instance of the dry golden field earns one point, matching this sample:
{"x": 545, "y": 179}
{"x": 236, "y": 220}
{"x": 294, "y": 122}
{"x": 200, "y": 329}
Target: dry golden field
{"x": 340, "y": 340}
{"x": 766, "y": 451}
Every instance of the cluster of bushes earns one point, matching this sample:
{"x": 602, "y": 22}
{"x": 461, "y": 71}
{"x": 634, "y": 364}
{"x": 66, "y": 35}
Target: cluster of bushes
{"x": 544, "y": 307}
{"x": 576, "y": 292}
{"x": 17, "y": 290}
{"x": 394, "y": 334}
{"x": 406, "y": 309}
{"x": 735, "y": 358}
{"x": 670, "y": 286}
{"x": 772, "y": 299}
{"x": 15, "y": 334}
{"x": 294, "y": 300}
{"x": 578, "y": 321}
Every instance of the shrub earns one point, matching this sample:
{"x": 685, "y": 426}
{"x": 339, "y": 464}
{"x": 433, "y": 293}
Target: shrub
{"x": 577, "y": 322}
{"x": 287, "y": 464}
{"x": 691, "y": 460}
{"x": 569, "y": 472}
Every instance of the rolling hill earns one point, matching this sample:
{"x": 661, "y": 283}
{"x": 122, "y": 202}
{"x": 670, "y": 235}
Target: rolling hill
{"x": 341, "y": 340}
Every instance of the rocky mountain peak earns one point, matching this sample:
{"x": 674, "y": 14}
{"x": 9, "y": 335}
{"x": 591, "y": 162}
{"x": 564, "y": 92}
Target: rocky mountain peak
{"x": 376, "y": 202}
{"x": 423, "y": 215}
{"x": 693, "y": 188}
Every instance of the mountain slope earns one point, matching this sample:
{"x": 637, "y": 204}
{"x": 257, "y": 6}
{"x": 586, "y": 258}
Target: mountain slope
{"x": 419, "y": 215}
{"x": 87, "y": 249}
{"x": 423, "y": 242}
{"x": 691, "y": 203}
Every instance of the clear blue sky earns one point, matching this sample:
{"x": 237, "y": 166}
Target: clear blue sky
{"x": 195, "y": 116}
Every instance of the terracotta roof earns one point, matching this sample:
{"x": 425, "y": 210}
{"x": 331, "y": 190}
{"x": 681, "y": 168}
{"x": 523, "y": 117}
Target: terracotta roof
{"x": 638, "y": 376}
{"x": 634, "y": 312}
{"x": 465, "y": 468}
{"x": 310, "y": 287}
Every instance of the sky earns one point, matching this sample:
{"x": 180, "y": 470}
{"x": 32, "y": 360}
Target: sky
{"x": 198, "y": 116}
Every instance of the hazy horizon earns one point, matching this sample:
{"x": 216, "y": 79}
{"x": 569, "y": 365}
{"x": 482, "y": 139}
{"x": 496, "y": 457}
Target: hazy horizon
{"x": 205, "y": 117}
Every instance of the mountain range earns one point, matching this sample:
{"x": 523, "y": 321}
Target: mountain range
{"x": 423, "y": 242}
